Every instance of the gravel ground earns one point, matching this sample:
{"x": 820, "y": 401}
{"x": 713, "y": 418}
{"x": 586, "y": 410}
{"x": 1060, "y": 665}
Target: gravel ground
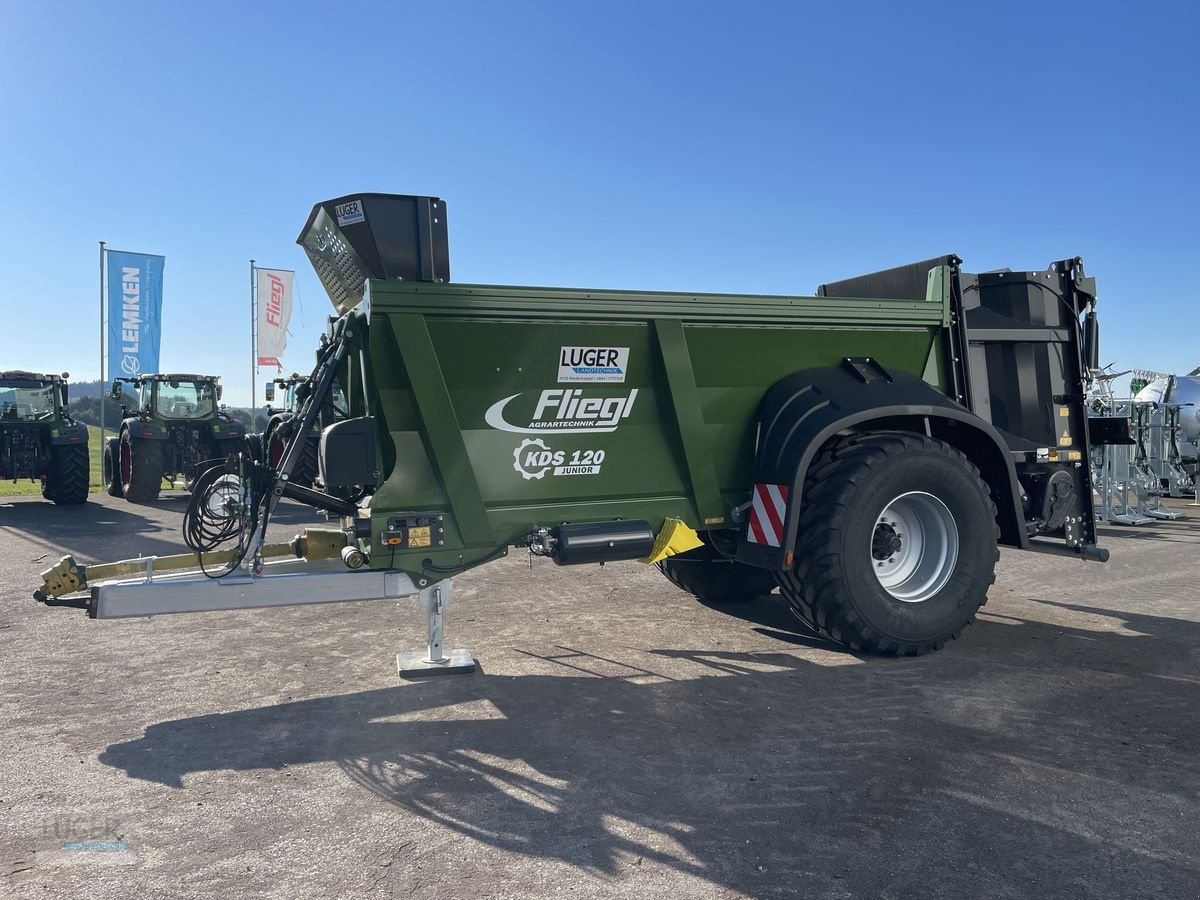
{"x": 621, "y": 739}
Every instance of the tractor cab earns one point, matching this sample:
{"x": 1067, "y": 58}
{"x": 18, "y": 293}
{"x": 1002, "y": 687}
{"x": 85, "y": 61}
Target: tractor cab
{"x": 179, "y": 397}
{"x": 286, "y": 391}
{"x": 27, "y": 397}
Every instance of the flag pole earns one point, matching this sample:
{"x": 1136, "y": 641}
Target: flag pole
{"x": 102, "y": 392}
{"x": 253, "y": 351}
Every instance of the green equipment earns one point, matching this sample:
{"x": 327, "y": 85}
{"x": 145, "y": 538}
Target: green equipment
{"x": 38, "y": 438}
{"x": 171, "y": 429}
{"x": 864, "y": 449}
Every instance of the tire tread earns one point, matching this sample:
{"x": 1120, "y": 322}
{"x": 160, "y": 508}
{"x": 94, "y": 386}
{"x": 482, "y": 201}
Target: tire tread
{"x": 812, "y": 587}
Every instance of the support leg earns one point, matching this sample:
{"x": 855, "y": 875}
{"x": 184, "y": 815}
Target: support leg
{"x": 434, "y": 660}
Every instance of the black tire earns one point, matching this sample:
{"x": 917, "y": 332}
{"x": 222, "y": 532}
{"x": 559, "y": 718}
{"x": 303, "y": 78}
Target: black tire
{"x": 307, "y": 467}
{"x": 254, "y": 446}
{"x": 112, "y": 480}
{"x": 305, "y": 472}
{"x": 70, "y": 473}
{"x": 714, "y": 578}
{"x": 842, "y": 542}
{"x": 141, "y": 468}
{"x": 270, "y": 446}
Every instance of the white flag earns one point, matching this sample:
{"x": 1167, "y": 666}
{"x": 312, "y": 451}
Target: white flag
{"x": 274, "y": 313}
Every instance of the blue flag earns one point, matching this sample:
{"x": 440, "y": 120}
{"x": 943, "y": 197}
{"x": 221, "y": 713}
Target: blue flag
{"x": 135, "y": 283}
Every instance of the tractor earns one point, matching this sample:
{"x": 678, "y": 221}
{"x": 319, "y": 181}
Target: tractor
{"x": 273, "y": 441}
{"x": 173, "y": 426}
{"x": 38, "y": 438}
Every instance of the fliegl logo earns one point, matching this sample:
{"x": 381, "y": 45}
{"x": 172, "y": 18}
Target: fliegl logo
{"x": 565, "y": 411}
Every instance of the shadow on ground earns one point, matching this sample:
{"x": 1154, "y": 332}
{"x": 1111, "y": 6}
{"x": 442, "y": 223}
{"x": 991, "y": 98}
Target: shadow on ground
{"x": 1180, "y": 531}
{"x": 91, "y": 530}
{"x": 102, "y": 531}
{"x": 999, "y": 771}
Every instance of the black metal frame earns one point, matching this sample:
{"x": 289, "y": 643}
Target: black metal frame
{"x": 1014, "y": 353}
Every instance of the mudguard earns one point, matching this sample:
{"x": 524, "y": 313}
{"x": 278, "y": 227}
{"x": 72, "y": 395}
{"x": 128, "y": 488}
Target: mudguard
{"x": 226, "y": 431}
{"x": 802, "y": 412}
{"x": 71, "y": 434}
{"x": 139, "y": 429}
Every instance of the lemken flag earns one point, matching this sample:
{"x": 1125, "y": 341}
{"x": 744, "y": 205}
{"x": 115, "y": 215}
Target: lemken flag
{"x": 274, "y": 313}
{"x": 135, "y": 282}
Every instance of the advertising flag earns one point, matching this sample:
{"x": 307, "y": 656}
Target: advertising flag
{"x": 135, "y": 282}
{"x": 274, "y": 313}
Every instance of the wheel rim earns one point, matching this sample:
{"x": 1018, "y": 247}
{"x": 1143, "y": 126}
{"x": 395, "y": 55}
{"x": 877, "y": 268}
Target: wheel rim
{"x": 914, "y": 546}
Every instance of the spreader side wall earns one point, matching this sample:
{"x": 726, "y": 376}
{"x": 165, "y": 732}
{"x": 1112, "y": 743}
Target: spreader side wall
{"x": 495, "y": 430}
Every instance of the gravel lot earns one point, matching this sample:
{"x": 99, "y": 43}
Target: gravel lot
{"x": 621, "y": 739}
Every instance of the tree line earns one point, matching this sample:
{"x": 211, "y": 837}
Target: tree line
{"x": 87, "y": 409}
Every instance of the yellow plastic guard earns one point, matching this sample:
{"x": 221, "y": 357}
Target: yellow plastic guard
{"x": 674, "y": 537}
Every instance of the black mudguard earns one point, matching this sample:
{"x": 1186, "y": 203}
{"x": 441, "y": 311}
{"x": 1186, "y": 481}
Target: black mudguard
{"x": 802, "y": 412}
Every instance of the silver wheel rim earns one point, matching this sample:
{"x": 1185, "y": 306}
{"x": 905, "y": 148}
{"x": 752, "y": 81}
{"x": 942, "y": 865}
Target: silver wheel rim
{"x": 914, "y": 547}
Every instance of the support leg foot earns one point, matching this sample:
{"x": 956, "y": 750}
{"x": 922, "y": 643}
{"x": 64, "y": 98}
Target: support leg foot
{"x": 434, "y": 661}
{"x": 417, "y": 664}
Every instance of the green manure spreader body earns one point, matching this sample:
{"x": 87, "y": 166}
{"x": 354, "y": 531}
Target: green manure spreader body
{"x": 507, "y": 408}
{"x": 863, "y": 451}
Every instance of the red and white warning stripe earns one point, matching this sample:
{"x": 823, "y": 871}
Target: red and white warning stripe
{"x": 767, "y": 514}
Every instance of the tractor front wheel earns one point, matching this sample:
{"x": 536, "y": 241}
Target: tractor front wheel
{"x": 254, "y": 446}
{"x": 141, "y": 468}
{"x": 112, "y": 467}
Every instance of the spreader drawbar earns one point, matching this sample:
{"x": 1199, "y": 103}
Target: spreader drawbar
{"x": 166, "y": 595}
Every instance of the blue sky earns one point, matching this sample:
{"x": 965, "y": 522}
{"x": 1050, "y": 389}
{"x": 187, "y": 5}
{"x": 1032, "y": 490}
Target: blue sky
{"x": 743, "y": 147}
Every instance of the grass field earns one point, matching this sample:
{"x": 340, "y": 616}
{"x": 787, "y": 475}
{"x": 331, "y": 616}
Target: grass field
{"x": 34, "y": 488}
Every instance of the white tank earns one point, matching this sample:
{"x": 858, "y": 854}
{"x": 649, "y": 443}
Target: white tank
{"x": 1187, "y": 390}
